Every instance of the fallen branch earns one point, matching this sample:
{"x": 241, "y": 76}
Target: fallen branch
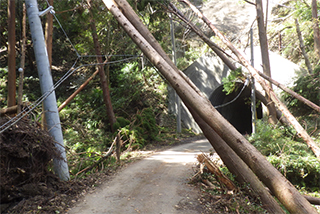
{"x": 202, "y": 158}
{"x": 243, "y": 174}
{"x": 312, "y": 200}
{"x": 12, "y": 109}
{"x": 68, "y": 100}
{"x": 100, "y": 160}
{"x": 208, "y": 183}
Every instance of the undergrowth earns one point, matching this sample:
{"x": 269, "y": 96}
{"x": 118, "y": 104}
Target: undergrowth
{"x": 289, "y": 154}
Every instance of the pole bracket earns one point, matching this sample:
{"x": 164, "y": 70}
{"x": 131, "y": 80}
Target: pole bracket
{"x": 49, "y": 9}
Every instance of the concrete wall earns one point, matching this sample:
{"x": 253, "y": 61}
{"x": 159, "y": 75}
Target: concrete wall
{"x": 206, "y": 73}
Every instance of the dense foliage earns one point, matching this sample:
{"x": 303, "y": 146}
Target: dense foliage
{"x": 288, "y": 154}
{"x": 137, "y": 91}
{"x": 282, "y": 31}
{"x": 307, "y": 86}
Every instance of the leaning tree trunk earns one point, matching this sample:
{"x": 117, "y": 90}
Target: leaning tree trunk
{"x": 235, "y": 164}
{"x": 291, "y": 119}
{"x": 277, "y": 183}
{"x": 103, "y": 79}
{"x": 302, "y": 47}
{"x": 104, "y": 85}
{"x": 289, "y": 91}
{"x": 210, "y": 43}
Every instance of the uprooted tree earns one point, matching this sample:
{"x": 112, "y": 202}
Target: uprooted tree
{"x": 286, "y": 193}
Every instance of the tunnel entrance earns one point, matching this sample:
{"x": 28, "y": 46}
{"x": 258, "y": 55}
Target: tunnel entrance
{"x": 238, "y": 112}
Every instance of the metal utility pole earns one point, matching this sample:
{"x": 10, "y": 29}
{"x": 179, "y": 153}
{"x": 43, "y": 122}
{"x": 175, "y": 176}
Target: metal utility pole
{"x": 253, "y": 90}
{"x": 46, "y": 84}
{"x": 178, "y": 100}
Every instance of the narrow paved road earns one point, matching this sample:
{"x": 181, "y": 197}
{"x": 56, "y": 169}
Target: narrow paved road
{"x": 157, "y": 184}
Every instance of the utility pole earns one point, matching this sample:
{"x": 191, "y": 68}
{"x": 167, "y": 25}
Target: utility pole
{"x": 46, "y": 84}
{"x": 178, "y": 100}
{"x": 253, "y": 90}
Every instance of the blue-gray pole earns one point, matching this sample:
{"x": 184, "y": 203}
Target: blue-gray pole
{"x": 46, "y": 84}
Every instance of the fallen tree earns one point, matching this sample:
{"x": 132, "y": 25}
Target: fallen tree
{"x": 211, "y": 44}
{"x": 223, "y": 55}
{"x": 74, "y": 94}
{"x": 291, "y": 119}
{"x": 243, "y": 174}
{"x": 287, "y": 194}
{"x": 289, "y": 91}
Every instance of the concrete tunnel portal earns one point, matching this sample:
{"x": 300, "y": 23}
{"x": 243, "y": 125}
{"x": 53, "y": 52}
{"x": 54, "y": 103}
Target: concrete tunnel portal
{"x": 207, "y": 73}
{"x": 236, "y": 111}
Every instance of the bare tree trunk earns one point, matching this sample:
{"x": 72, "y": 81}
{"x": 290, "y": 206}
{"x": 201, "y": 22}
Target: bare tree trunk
{"x": 11, "y": 54}
{"x": 297, "y": 96}
{"x": 210, "y": 43}
{"x": 65, "y": 103}
{"x": 302, "y": 47}
{"x": 265, "y": 57}
{"x": 283, "y": 189}
{"x": 316, "y": 30}
{"x": 291, "y": 119}
{"x": 103, "y": 79}
{"x": 236, "y": 165}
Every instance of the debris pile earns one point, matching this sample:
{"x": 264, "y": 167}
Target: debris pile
{"x": 220, "y": 194}
{"x": 26, "y": 152}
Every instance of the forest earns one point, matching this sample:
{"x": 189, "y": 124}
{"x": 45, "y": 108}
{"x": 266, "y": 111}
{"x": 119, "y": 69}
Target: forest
{"x": 111, "y": 64}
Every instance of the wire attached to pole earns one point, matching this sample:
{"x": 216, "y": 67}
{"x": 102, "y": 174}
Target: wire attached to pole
{"x": 246, "y": 83}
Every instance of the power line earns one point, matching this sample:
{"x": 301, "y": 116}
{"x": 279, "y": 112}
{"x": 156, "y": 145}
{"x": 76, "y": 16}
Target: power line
{"x": 23, "y": 113}
{"x": 31, "y": 107}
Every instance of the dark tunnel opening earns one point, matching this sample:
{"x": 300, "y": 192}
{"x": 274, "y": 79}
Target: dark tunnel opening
{"x": 238, "y": 112}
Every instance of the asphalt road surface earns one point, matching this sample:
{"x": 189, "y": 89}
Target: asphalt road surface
{"x": 156, "y": 184}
